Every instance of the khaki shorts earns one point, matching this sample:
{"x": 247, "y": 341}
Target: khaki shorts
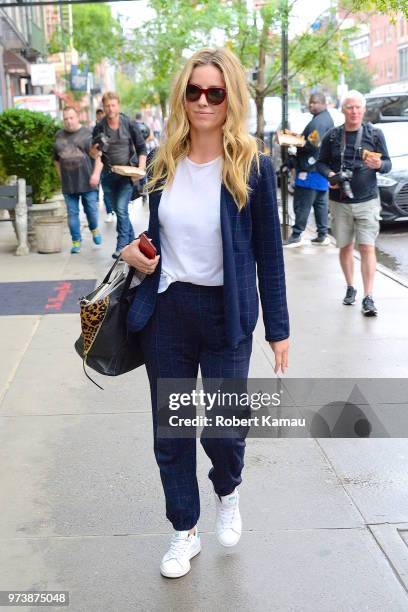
{"x": 359, "y": 223}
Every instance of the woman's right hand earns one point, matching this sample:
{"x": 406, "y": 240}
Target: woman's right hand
{"x": 133, "y": 256}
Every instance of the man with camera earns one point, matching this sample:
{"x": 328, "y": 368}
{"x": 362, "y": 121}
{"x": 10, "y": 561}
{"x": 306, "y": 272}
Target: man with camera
{"x": 350, "y": 157}
{"x": 119, "y": 142}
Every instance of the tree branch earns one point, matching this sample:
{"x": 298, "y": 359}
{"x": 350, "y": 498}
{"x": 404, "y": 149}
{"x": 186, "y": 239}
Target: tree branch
{"x": 324, "y": 43}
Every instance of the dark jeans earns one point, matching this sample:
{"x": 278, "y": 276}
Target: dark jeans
{"x": 117, "y": 190}
{"x": 186, "y": 331}
{"x": 303, "y": 201}
{"x": 106, "y": 203}
{"x": 90, "y": 204}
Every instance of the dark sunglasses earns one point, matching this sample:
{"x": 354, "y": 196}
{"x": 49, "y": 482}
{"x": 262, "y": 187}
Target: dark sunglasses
{"x": 214, "y": 95}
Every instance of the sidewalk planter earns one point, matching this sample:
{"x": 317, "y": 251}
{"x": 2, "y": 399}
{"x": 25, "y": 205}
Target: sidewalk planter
{"x": 39, "y": 211}
{"x": 48, "y": 233}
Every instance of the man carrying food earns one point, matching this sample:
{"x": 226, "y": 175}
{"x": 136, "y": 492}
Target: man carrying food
{"x": 311, "y": 187}
{"x": 119, "y": 142}
{"x": 350, "y": 157}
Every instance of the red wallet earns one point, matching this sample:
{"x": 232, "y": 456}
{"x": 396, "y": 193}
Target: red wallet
{"x": 148, "y": 249}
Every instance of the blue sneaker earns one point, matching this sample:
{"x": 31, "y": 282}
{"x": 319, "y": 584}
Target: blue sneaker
{"x": 96, "y": 236}
{"x": 76, "y": 246}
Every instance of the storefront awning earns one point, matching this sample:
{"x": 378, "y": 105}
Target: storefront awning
{"x": 15, "y": 64}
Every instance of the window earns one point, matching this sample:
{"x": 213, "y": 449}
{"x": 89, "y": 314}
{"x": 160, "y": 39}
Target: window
{"x": 403, "y": 63}
{"x": 385, "y": 107}
{"x": 360, "y": 47}
{"x": 397, "y": 107}
{"x": 378, "y": 37}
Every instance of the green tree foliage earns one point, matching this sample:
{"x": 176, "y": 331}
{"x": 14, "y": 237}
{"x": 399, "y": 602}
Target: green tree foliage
{"x": 314, "y": 56}
{"x": 317, "y": 56}
{"x": 388, "y": 7}
{"x": 158, "y": 45}
{"x": 134, "y": 95}
{"x": 359, "y": 77}
{"x": 97, "y": 34}
{"x": 26, "y": 149}
{"x": 59, "y": 41}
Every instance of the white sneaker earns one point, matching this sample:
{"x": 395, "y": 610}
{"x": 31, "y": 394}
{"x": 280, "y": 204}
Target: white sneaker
{"x": 109, "y": 218}
{"x": 183, "y": 547}
{"x": 228, "y": 526}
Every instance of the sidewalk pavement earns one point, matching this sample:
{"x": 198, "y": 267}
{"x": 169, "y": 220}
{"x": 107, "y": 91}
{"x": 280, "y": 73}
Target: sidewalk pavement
{"x": 325, "y": 520}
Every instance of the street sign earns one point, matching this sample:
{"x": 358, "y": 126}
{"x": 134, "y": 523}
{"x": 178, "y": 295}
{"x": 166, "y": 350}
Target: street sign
{"x": 79, "y": 78}
{"x": 43, "y": 74}
{"x": 42, "y": 104}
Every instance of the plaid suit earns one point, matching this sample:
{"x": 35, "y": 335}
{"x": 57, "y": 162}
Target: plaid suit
{"x": 189, "y": 326}
{"x": 187, "y": 330}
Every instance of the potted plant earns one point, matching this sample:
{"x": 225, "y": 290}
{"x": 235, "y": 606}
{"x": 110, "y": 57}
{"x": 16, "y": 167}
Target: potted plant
{"x": 26, "y": 148}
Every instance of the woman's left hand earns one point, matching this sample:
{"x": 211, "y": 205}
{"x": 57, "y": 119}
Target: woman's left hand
{"x": 281, "y": 350}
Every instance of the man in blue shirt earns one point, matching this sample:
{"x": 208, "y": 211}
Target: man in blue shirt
{"x": 311, "y": 188}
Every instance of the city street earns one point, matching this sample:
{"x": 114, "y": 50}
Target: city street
{"x": 391, "y": 245}
{"x": 96, "y": 94}
{"x": 392, "y": 248}
{"x": 325, "y": 520}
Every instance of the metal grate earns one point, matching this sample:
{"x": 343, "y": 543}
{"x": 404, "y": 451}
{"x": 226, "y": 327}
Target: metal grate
{"x": 401, "y": 199}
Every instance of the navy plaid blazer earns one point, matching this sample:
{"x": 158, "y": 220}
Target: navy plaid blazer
{"x": 252, "y": 243}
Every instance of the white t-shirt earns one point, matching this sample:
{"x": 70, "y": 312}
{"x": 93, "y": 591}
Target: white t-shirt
{"x": 190, "y": 226}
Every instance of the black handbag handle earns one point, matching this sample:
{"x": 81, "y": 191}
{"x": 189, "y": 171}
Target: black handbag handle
{"x": 126, "y": 286}
{"x": 107, "y": 277}
{"x": 127, "y": 281}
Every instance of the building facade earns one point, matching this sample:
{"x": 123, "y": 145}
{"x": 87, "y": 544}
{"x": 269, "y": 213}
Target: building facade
{"x": 22, "y": 42}
{"x": 382, "y": 45}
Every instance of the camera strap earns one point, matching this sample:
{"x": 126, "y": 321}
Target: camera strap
{"x": 357, "y": 144}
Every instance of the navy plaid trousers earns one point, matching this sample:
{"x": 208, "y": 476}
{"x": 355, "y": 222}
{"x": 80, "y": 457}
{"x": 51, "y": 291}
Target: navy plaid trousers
{"x": 186, "y": 331}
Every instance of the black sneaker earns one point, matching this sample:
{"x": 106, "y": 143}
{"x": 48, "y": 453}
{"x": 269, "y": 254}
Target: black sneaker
{"x": 321, "y": 240}
{"x": 293, "y": 241}
{"x": 350, "y": 296}
{"x": 116, "y": 255}
{"x": 368, "y": 307}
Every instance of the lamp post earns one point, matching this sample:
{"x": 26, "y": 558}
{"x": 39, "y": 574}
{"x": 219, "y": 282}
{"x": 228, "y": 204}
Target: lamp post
{"x": 284, "y": 126}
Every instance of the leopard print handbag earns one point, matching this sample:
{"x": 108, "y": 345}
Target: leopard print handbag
{"x": 105, "y": 345}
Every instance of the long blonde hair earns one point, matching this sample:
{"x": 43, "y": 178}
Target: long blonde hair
{"x": 240, "y": 148}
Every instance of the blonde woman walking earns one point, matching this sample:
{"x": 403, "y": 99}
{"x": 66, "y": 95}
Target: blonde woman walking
{"x": 214, "y": 221}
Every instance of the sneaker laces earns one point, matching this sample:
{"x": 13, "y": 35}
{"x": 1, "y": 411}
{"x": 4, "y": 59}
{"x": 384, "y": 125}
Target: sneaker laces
{"x": 227, "y": 515}
{"x": 368, "y": 302}
{"x": 349, "y": 292}
{"x": 178, "y": 545}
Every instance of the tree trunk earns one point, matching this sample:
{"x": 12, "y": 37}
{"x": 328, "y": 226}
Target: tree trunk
{"x": 260, "y": 121}
{"x": 163, "y": 105}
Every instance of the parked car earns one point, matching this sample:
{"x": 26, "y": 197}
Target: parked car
{"x": 393, "y": 186}
{"x": 387, "y": 107}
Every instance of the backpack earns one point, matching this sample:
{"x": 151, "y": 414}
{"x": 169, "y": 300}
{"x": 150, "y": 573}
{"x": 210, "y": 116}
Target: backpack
{"x": 144, "y": 129}
{"x": 128, "y": 125}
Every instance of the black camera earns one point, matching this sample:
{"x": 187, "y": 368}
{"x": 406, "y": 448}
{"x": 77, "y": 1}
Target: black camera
{"x": 343, "y": 179}
{"x": 102, "y": 142}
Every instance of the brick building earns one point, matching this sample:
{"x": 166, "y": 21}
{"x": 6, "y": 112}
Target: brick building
{"x": 383, "y": 47}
